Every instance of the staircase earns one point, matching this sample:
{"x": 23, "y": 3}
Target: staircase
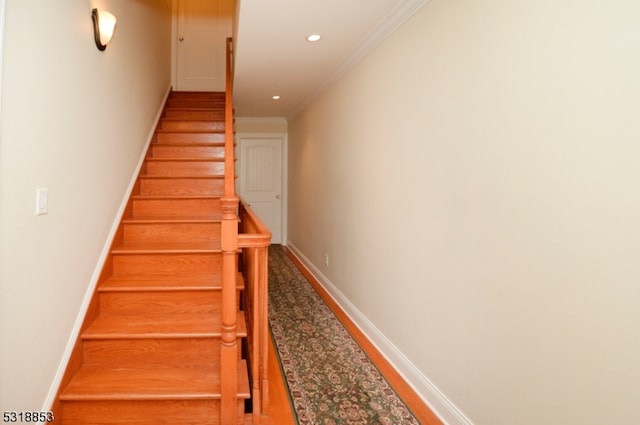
{"x": 150, "y": 349}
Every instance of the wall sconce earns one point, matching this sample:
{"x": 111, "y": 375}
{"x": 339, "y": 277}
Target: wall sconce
{"x": 103, "y": 26}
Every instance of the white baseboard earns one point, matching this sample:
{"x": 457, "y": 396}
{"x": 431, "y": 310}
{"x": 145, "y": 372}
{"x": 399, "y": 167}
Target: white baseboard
{"x": 430, "y": 394}
{"x": 75, "y": 333}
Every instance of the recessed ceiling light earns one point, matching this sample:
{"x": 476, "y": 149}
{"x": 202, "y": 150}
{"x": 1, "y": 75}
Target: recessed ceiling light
{"x": 276, "y": 97}
{"x": 314, "y": 37}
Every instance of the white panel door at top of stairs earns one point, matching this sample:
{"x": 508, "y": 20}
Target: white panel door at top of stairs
{"x": 202, "y": 29}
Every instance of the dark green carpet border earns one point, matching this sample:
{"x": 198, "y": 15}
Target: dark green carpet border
{"x": 331, "y": 380}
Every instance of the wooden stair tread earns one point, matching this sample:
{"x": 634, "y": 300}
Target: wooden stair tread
{"x": 153, "y": 340}
{"x": 200, "y": 137}
{"x": 187, "y": 118}
{"x": 182, "y": 325}
{"x": 167, "y": 247}
{"x": 204, "y": 218}
{"x": 182, "y": 176}
{"x": 187, "y": 131}
{"x": 217, "y": 101}
{"x": 167, "y": 282}
{"x": 153, "y": 382}
{"x": 192, "y": 144}
{"x": 185, "y": 175}
{"x": 195, "y": 177}
{"x": 206, "y": 144}
{"x": 178, "y": 197}
{"x": 185, "y": 159}
{"x": 191, "y": 109}
{"x": 212, "y": 218}
{"x": 196, "y": 103}
{"x": 197, "y": 94}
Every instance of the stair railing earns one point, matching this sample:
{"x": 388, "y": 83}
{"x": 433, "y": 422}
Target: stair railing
{"x": 242, "y": 230}
{"x": 229, "y": 167}
{"x": 230, "y": 351}
{"x": 254, "y": 240}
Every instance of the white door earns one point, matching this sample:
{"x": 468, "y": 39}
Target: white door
{"x": 202, "y": 29}
{"x": 260, "y": 180}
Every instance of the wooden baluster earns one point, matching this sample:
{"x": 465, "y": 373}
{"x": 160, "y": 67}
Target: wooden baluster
{"x": 255, "y": 343}
{"x": 255, "y": 240}
{"x": 263, "y": 317}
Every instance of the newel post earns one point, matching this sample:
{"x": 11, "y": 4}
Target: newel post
{"x": 229, "y": 340}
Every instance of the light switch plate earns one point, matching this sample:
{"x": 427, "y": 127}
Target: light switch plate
{"x": 42, "y": 201}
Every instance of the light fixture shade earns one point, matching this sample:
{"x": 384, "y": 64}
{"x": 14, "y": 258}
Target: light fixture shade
{"x": 103, "y": 25}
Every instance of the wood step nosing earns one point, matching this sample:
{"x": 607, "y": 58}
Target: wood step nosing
{"x": 182, "y": 176}
{"x": 174, "y": 177}
{"x": 215, "y": 333}
{"x": 213, "y": 393}
{"x": 159, "y": 289}
{"x": 176, "y": 220}
{"x": 156, "y": 335}
{"x": 164, "y": 251}
{"x": 184, "y": 159}
{"x": 190, "y": 109}
{"x": 192, "y": 219}
{"x": 175, "y": 197}
{"x": 138, "y": 397}
{"x": 174, "y": 119}
{"x": 190, "y": 144}
{"x": 122, "y": 284}
{"x": 189, "y": 131}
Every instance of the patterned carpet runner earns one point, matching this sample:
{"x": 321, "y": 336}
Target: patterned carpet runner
{"x": 331, "y": 380}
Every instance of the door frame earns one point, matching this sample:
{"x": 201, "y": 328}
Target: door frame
{"x": 285, "y": 172}
{"x": 3, "y": 11}
{"x": 175, "y": 41}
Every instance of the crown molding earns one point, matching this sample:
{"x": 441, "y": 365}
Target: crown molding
{"x": 384, "y": 29}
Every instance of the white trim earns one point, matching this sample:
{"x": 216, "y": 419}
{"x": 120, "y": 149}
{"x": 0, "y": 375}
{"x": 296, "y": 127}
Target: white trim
{"x": 77, "y": 327}
{"x": 384, "y": 29}
{"x": 3, "y": 11}
{"x": 260, "y": 120}
{"x": 430, "y": 394}
{"x": 174, "y": 43}
{"x": 285, "y": 188}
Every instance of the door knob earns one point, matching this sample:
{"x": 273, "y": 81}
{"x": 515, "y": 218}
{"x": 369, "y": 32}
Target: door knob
{"x": 181, "y": 39}
{"x": 277, "y": 196}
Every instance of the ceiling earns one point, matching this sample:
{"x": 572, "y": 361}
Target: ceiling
{"x": 273, "y": 57}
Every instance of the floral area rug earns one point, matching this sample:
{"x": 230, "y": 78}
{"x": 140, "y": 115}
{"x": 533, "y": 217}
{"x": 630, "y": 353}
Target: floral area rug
{"x": 331, "y": 380}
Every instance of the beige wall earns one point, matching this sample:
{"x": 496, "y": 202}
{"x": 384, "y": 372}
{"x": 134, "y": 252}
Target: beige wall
{"x": 74, "y": 120}
{"x": 475, "y": 182}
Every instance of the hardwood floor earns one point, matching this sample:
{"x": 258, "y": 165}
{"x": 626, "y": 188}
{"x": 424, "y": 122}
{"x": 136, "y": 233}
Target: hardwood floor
{"x": 279, "y": 411}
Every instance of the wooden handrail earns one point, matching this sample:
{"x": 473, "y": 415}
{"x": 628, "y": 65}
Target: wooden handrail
{"x": 229, "y": 167}
{"x": 242, "y": 230}
{"x": 229, "y": 347}
{"x": 257, "y": 233}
